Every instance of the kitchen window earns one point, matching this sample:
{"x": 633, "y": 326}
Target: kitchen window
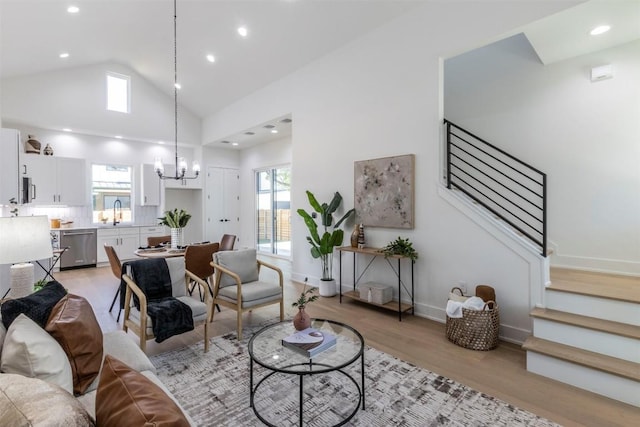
{"x": 111, "y": 193}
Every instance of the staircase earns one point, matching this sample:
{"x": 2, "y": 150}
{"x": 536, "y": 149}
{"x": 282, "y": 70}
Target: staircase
{"x": 588, "y": 335}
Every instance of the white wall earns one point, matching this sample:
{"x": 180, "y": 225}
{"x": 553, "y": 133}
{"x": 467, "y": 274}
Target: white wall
{"x": 583, "y": 134}
{"x": 380, "y": 96}
{"x": 76, "y": 98}
{"x": 272, "y": 154}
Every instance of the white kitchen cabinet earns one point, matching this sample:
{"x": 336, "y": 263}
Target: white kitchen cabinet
{"x": 124, "y": 240}
{"x": 186, "y": 184}
{"x": 222, "y": 203}
{"x": 151, "y": 231}
{"x": 9, "y": 162}
{"x": 56, "y": 180}
{"x": 149, "y": 186}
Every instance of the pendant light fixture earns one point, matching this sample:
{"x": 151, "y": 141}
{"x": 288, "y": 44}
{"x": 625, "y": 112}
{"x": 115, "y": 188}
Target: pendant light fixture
{"x": 180, "y": 162}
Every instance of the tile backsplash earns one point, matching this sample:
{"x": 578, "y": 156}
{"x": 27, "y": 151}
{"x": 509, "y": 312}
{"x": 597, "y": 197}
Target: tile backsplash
{"x": 82, "y": 215}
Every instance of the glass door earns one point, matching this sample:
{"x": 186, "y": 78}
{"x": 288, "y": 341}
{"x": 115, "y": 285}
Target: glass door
{"x": 273, "y": 215}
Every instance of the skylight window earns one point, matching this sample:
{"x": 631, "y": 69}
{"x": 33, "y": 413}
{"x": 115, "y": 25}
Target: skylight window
{"x": 118, "y": 88}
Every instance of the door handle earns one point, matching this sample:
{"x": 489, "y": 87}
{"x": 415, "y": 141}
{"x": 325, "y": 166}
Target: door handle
{"x": 34, "y": 192}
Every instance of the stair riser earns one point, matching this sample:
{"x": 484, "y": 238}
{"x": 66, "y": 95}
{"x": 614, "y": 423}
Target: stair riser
{"x": 612, "y": 386}
{"x": 588, "y": 339}
{"x": 602, "y": 308}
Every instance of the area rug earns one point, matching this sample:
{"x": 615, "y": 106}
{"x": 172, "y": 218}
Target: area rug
{"x": 214, "y": 389}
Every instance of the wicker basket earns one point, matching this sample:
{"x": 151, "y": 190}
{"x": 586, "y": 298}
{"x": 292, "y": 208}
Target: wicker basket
{"x": 476, "y": 329}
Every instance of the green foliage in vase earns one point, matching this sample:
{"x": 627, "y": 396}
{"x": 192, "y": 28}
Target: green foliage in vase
{"x": 175, "y": 218}
{"x": 402, "y": 247}
{"x": 303, "y": 299}
{"x": 14, "y": 206}
{"x": 322, "y": 246}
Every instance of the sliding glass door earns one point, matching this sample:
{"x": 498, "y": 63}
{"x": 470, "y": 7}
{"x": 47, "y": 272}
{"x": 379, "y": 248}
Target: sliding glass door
{"x": 273, "y": 215}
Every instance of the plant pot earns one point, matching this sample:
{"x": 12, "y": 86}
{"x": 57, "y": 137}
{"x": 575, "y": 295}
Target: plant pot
{"x": 176, "y": 238}
{"x": 327, "y": 288}
{"x": 301, "y": 320}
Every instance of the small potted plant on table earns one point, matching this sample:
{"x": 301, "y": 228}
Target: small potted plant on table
{"x": 176, "y": 220}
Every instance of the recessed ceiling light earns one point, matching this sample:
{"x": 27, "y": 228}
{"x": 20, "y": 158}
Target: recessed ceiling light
{"x": 64, "y": 55}
{"x": 274, "y": 130}
{"x": 118, "y": 136}
{"x": 224, "y": 142}
{"x": 234, "y": 144}
{"x": 249, "y": 133}
{"x": 243, "y": 31}
{"x": 66, "y": 129}
{"x": 601, "y": 29}
{"x": 73, "y": 9}
{"x": 268, "y": 126}
{"x": 285, "y": 121}
{"x": 211, "y": 58}
{"x": 178, "y": 86}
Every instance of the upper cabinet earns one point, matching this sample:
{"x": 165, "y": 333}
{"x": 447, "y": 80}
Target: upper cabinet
{"x": 149, "y": 186}
{"x": 9, "y": 163}
{"x": 189, "y": 184}
{"x": 55, "y": 180}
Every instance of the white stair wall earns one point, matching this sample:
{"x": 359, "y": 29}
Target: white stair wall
{"x": 602, "y": 308}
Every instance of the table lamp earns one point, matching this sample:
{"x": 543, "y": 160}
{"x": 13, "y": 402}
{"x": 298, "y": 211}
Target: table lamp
{"x": 23, "y": 239}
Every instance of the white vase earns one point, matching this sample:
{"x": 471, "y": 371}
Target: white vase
{"x": 176, "y": 238}
{"x": 327, "y": 288}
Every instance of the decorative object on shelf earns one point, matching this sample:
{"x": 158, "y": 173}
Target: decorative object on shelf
{"x": 402, "y": 247}
{"x": 354, "y": 235}
{"x": 32, "y": 145}
{"x": 180, "y": 162}
{"x": 176, "y": 220}
{"x": 322, "y": 247}
{"x": 24, "y": 238}
{"x": 48, "y": 151}
{"x": 14, "y": 206}
{"x": 302, "y": 320}
{"x": 375, "y": 180}
{"x": 361, "y": 236}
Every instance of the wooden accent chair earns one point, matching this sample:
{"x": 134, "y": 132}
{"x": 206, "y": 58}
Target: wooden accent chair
{"x": 237, "y": 285}
{"x": 227, "y": 241}
{"x": 139, "y": 321}
{"x": 197, "y": 259}
{"x": 157, "y": 240}
{"x": 116, "y": 268}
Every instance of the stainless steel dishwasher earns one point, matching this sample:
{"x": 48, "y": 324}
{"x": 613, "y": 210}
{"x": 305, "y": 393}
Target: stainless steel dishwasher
{"x": 81, "y": 244}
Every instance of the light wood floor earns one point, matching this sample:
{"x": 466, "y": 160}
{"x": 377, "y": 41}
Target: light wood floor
{"x": 500, "y": 372}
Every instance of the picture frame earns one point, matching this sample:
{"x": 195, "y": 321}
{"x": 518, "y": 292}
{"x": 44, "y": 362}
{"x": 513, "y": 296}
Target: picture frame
{"x": 384, "y": 191}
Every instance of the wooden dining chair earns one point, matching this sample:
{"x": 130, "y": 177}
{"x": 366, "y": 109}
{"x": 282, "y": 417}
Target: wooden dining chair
{"x": 157, "y": 240}
{"x": 197, "y": 259}
{"x": 227, "y": 241}
{"x": 116, "y": 269}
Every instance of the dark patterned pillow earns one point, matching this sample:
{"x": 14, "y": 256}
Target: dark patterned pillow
{"x": 36, "y": 306}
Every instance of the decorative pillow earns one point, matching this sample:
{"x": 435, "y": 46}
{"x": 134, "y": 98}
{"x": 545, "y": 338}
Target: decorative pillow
{"x": 36, "y": 306}
{"x": 242, "y": 262}
{"x": 73, "y": 324}
{"x": 33, "y": 402}
{"x": 30, "y": 351}
{"x": 128, "y": 398}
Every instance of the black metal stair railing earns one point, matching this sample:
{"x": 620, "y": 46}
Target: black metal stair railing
{"x": 506, "y": 186}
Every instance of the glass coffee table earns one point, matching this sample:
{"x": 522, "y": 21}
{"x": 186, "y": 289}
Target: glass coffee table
{"x": 283, "y": 365}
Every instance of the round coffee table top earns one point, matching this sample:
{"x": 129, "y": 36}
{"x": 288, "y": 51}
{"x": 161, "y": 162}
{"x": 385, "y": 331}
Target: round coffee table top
{"x": 266, "y": 348}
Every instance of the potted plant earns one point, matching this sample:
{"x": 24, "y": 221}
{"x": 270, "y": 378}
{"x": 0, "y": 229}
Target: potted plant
{"x": 402, "y": 247}
{"x": 302, "y": 320}
{"x": 322, "y": 246}
{"x": 176, "y": 220}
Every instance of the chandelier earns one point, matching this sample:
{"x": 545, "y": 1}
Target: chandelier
{"x": 180, "y": 162}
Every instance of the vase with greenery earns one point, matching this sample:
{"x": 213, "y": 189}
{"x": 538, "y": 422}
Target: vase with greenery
{"x": 322, "y": 246}
{"x": 302, "y": 320}
{"x": 401, "y": 247}
{"x": 176, "y": 220}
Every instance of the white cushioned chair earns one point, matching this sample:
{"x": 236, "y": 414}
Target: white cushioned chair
{"x": 237, "y": 284}
{"x": 140, "y": 322}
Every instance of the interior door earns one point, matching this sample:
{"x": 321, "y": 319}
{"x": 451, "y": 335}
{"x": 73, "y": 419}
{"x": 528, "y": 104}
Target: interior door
{"x": 222, "y": 203}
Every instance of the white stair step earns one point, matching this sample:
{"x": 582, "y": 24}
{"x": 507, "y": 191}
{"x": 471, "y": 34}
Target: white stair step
{"x": 614, "y": 310}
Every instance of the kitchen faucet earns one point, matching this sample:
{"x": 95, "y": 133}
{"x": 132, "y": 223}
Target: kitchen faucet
{"x": 115, "y": 218}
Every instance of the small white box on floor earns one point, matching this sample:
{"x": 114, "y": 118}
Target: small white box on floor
{"x": 376, "y": 293}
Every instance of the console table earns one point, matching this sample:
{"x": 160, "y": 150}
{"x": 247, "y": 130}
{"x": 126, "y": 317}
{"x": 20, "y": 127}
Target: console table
{"x": 374, "y": 253}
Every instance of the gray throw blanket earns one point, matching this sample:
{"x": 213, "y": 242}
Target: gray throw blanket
{"x": 169, "y": 316}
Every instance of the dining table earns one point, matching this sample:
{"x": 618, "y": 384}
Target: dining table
{"x": 159, "y": 252}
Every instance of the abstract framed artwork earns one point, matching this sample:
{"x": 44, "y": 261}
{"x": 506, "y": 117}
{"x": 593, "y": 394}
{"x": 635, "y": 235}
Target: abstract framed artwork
{"x": 384, "y": 191}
